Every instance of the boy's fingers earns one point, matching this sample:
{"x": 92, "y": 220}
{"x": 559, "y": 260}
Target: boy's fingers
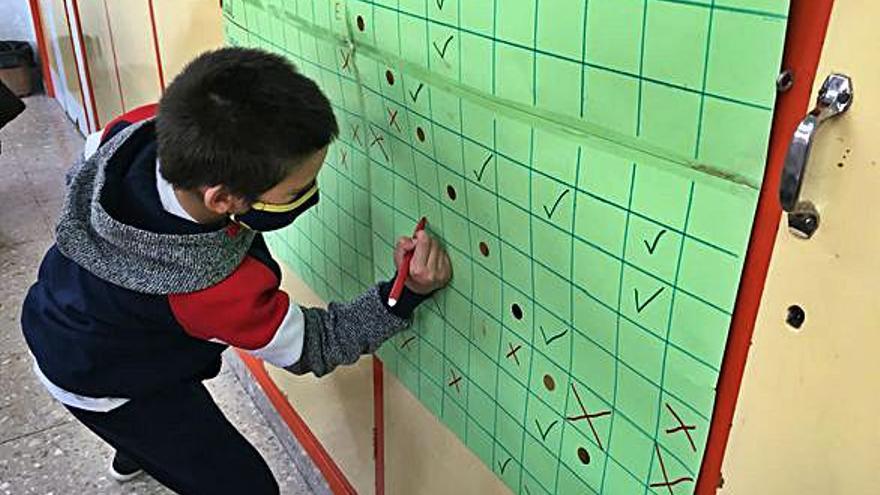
{"x": 403, "y": 246}
{"x": 405, "y": 243}
{"x": 439, "y": 254}
{"x": 420, "y": 255}
{"x": 433, "y": 255}
{"x": 445, "y": 264}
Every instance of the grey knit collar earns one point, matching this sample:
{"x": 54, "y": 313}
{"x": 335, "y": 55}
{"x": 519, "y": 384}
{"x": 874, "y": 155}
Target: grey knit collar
{"x": 136, "y": 259}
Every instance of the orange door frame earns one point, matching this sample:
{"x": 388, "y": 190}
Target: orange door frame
{"x": 807, "y": 23}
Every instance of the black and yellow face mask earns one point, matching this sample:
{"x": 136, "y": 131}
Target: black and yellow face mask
{"x": 264, "y": 217}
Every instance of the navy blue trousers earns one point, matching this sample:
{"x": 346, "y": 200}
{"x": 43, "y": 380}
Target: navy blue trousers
{"x": 182, "y": 439}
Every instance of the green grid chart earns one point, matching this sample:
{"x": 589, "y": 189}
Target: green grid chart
{"x": 592, "y": 168}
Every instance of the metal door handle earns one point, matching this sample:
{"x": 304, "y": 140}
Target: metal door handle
{"x": 835, "y": 98}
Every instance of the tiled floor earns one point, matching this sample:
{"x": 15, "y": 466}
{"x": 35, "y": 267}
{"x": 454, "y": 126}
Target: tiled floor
{"x": 42, "y": 449}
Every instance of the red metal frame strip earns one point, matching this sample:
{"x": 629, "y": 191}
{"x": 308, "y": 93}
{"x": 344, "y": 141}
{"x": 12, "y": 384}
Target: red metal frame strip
{"x": 156, "y": 47}
{"x": 86, "y": 70}
{"x": 82, "y": 95}
{"x": 37, "y": 19}
{"x": 115, "y": 59}
{"x": 808, "y": 21}
{"x": 379, "y": 423}
{"x": 339, "y": 484}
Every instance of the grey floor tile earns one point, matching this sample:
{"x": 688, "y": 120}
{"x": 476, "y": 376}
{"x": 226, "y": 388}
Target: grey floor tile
{"x": 18, "y": 267}
{"x": 67, "y": 459}
{"x": 23, "y": 219}
{"x": 40, "y": 138}
{"x": 46, "y": 184}
{"x": 51, "y": 209}
{"x": 19, "y": 262}
{"x": 25, "y": 406}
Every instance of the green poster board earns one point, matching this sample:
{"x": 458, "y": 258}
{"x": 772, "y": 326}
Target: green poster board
{"x": 593, "y": 169}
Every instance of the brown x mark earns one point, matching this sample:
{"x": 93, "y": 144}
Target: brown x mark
{"x": 682, "y": 427}
{"x": 513, "y": 351}
{"x": 455, "y": 380}
{"x": 392, "y": 119}
{"x": 588, "y": 416}
{"x": 378, "y": 139}
{"x": 666, "y": 483}
{"x": 346, "y": 59}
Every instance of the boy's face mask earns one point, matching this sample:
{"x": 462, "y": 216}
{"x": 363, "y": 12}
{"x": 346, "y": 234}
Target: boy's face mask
{"x": 263, "y": 217}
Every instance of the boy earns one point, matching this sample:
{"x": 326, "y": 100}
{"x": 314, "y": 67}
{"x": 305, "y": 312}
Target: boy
{"x": 158, "y": 266}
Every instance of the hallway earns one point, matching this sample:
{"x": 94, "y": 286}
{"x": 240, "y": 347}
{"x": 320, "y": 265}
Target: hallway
{"x": 42, "y": 449}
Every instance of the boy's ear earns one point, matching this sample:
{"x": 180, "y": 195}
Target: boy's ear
{"x": 219, "y": 200}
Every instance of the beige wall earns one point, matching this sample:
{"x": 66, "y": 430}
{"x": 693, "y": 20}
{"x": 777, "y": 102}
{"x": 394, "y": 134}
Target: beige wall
{"x": 807, "y": 420}
{"x": 121, "y": 51}
{"x": 421, "y": 455}
{"x": 60, "y": 58}
{"x": 186, "y": 28}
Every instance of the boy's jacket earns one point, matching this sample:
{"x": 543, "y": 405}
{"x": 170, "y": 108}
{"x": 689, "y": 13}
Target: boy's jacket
{"x": 132, "y": 298}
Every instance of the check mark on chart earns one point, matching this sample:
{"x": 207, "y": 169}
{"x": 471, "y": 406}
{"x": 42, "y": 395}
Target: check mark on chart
{"x": 407, "y": 341}
{"x": 442, "y": 52}
{"x": 439, "y": 309}
{"x": 547, "y": 341}
{"x": 440, "y": 4}
{"x": 415, "y": 95}
{"x": 544, "y": 432}
{"x": 641, "y": 306}
{"x": 653, "y": 245}
{"x": 503, "y": 465}
{"x": 550, "y": 211}
{"x": 483, "y": 168}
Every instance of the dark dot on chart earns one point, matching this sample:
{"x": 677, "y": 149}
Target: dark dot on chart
{"x": 420, "y": 133}
{"x": 484, "y": 248}
{"x": 360, "y": 23}
{"x": 549, "y": 383}
{"x": 450, "y": 191}
{"x": 840, "y": 164}
{"x": 389, "y": 76}
{"x": 583, "y": 455}
{"x": 517, "y": 311}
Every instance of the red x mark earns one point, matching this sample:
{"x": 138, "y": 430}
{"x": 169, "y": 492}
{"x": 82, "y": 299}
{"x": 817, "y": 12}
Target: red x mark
{"x": 455, "y": 380}
{"x": 668, "y": 484}
{"x": 355, "y": 130}
{"x": 392, "y": 118}
{"x": 682, "y": 427}
{"x": 346, "y": 59}
{"x": 589, "y": 417}
{"x": 513, "y": 351}
{"x": 377, "y": 139}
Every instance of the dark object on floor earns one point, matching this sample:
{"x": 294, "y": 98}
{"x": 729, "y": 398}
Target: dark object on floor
{"x": 10, "y": 105}
{"x": 17, "y": 67}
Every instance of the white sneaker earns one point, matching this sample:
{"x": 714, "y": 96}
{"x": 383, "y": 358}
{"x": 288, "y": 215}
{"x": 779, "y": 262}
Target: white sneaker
{"x": 123, "y": 469}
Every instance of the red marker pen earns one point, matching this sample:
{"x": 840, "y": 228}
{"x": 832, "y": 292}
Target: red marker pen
{"x": 403, "y": 269}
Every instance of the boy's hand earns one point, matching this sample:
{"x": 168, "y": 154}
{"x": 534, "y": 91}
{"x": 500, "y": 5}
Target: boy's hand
{"x": 429, "y": 269}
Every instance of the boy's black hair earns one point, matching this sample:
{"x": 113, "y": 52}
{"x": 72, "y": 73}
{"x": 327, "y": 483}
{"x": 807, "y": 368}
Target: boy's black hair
{"x": 242, "y": 118}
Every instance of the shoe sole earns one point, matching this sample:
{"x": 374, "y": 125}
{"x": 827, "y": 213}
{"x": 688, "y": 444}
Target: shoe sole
{"x": 122, "y": 478}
